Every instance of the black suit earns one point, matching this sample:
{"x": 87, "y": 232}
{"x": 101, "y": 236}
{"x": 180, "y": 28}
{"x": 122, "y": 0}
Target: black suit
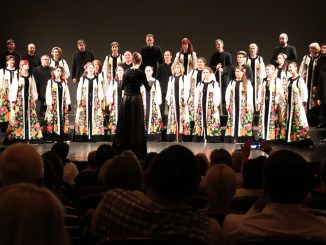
{"x": 290, "y": 52}
{"x": 151, "y": 56}
{"x": 320, "y": 75}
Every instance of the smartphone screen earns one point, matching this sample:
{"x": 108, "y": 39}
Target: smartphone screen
{"x": 255, "y": 145}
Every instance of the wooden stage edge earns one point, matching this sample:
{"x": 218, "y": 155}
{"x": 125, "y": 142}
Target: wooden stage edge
{"x": 79, "y": 151}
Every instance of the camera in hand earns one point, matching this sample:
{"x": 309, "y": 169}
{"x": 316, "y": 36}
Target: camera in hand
{"x": 255, "y": 145}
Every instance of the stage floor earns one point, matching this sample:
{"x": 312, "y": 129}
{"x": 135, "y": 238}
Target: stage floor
{"x": 79, "y": 151}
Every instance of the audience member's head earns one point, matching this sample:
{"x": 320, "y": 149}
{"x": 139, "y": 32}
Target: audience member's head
{"x": 287, "y": 177}
{"x": 53, "y": 171}
{"x": 129, "y": 153}
{"x": 49, "y": 178}
{"x": 203, "y": 163}
{"x": 31, "y": 215}
{"x": 252, "y": 173}
{"x": 20, "y": 163}
{"x": 62, "y": 149}
{"x": 102, "y": 171}
{"x": 91, "y": 159}
{"x": 174, "y": 175}
{"x": 148, "y": 160}
{"x": 103, "y": 153}
{"x": 220, "y": 186}
{"x": 124, "y": 172}
{"x": 322, "y": 172}
{"x": 237, "y": 158}
{"x": 220, "y": 156}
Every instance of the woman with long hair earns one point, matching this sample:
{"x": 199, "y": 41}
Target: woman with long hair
{"x": 114, "y": 96}
{"x": 89, "y": 115}
{"x": 207, "y": 117}
{"x": 270, "y": 96}
{"x": 186, "y": 56}
{"x": 239, "y": 104}
{"x": 296, "y": 129}
{"x": 57, "y": 99}
{"x": 31, "y": 215}
{"x": 152, "y": 100}
{"x": 7, "y": 75}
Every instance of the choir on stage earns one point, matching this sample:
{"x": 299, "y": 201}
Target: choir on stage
{"x": 185, "y": 99}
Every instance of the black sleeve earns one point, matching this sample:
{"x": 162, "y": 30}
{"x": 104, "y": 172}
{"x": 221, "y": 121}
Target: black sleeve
{"x": 17, "y": 59}
{"x": 318, "y": 81}
{"x": 212, "y": 63}
{"x": 142, "y": 52}
{"x": 38, "y": 62}
{"x": 274, "y": 57}
{"x": 228, "y": 64}
{"x": 231, "y": 73}
{"x": 37, "y": 82}
{"x": 293, "y": 54}
{"x": 158, "y": 73}
{"x": 159, "y": 55}
{"x": 123, "y": 82}
{"x": 144, "y": 81}
{"x": 2, "y": 61}
{"x": 74, "y": 68}
{"x": 249, "y": 73}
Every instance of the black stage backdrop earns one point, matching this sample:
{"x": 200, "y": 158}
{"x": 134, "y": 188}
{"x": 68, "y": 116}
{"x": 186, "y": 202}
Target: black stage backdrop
{"x": 99, "y": 22}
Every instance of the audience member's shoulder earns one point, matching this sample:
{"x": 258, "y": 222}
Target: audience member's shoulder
{"x": 231, "y": 223}
{"x": 213, "y": 231}
{"x": 118, "y": 194}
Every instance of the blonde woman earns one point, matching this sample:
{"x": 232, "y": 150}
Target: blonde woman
{"x": 178, "y": 126}
{"x": 152, "y": 100}
{"x": 105, "y": 84}
{"x": 33, "y": 214}
{"x": 195, "y": 78}
{"x": 296, "y": 129}
{"x": 89, "y": 115}
{"x": 114, "y": 95}
{"x": 207, "y": 117}
{"x": 57, "y": 60}
{"x": 307, "y": 72}
{"x": 57, "y": 99}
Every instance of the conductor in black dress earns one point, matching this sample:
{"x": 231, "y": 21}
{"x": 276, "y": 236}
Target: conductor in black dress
{"x": 130, "y": 133}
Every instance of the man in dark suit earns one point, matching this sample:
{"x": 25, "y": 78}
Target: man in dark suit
{"x": 284, "y": 48}
{"x": 320, "y": 75}
{"x": 151, "y": 54}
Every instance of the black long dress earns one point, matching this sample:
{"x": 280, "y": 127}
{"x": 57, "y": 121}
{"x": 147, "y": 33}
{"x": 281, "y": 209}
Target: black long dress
{"x": 130, "y": 133}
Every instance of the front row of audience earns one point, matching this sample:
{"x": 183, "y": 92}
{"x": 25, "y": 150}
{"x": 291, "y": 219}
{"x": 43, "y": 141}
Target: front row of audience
{"x": 154, "y": 198}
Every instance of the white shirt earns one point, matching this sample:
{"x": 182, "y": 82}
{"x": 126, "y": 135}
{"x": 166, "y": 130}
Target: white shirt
{"x": 276, "y": 219}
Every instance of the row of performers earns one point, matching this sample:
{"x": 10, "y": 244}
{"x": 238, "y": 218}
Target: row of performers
{"x": 193, "y": 109}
